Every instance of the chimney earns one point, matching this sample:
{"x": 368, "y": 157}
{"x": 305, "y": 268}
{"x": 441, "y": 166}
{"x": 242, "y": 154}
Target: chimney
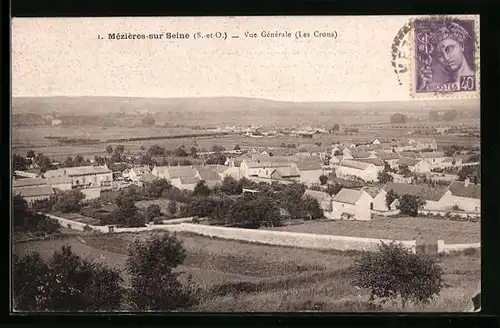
{"x": 466, "y": 182}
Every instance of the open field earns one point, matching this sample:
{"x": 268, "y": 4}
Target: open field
{"x": 25, "y": 139}
{"x": 404, "y": 228}
{"x": 246, "y": 277}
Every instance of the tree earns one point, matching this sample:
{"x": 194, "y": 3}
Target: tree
{"x": 109, "y": 149}
{"x": 399, "y": 118}
{"x": 216, "y": 159}
{"x": 404, "y": 170}
{"x": 152, "y": 212}
{"x": 253, "y": 211}
{"x": 337, "y": 153}
{"x": 172, "y": 207}
{"x": 148, "y": 120}
{"x": 230, "y": 186}
{"x": 69, "y": 201}
{"x": 30, "y": 154}
{"x": 154, "y": 285}
{"x": 156, "y": 188}
{"x": 127, "y": 214}
{"x": 19, "y": 163}
{"x": 180, "y": 151}
{"x": 156, "y": 150}
{"x": 450, "y": 115}
{"x": 217, "y": 148}
{"x": 78, "y": 160}
{"x": 409, "y": 204}
{"x": 193, "y": 152}
{"x": 333, "y": 189}
{"x": 323, "y": 179}
{"x": 390, "y": 198}
{"x": 311, "y": 208}
{"x": 201, "y": 189}
{"x": 237, "y": 147}
{"x": 43, "y": 162}
{"x": 120, "y": 149}
{"x": 384, "y": 177}
{"x": 66, "y": 283}
{"x": 394, "y": 271}
{"x": 336, "y": 128}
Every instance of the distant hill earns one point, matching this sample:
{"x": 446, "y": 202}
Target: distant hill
{"x": 106, "y": 105}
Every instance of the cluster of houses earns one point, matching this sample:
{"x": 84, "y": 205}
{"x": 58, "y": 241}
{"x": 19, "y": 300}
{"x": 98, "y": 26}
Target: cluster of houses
{"x": 361, "y": 163}
{"x": 459, "y": 198}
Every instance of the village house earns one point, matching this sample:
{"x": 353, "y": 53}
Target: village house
{"x": 34, "y": 193}
{"x": 85, "y": 176}
{"x": 362, "y": 154}
{"x": 415, "y": 165}
{"x": 324, "y": 200}
{"x": 284, "y": 173}
{"x": 233, "y": 172}
{"x": 425, "y": 143}
{"x": 464, "y": 196}
{"x": 60, "y": 183}
{"x": 209, "y": 175}
{"x": 310, "y": 171}
{"x": 29, "y": 173}
{"x": 390, "y": 158}
{"x": 365, "y": 171}
{"x": 174, "y": 174}
{"x": 135, "y": 173}
{"x": 351, "y": 204}
{"x": 429, "y": 194}
{"x": 28, "y": 182}
{"x": 146, "y": 178}
{"x": 435, "y": 158}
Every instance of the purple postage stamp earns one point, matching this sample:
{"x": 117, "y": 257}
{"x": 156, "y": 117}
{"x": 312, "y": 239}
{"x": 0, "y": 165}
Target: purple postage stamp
{"x": 445, "y": 55}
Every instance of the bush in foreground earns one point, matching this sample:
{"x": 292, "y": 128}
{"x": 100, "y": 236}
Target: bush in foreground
{"x": 394, "y": 272}
{"x": 154, "y": 285}
{"x": 65, "y": 283}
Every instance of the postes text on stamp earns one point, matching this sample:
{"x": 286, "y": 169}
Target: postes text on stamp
{"x": 444, "y": 56}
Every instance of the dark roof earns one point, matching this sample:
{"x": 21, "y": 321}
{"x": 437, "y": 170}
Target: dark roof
{"x": 360, "y": 154}
{"x": 374, "y": 161}
{"x": 387, "y": 156}
{"x": 434, "y": 154}
{"x": 44, "y": 190}
{"x": 408, "y": 154}
{"x": 424, "y": 191}
{"x": 28, "y": 182}
{"x": 408, "y": 161}
{"x": 349, "y": 196}
{"x": 309, "y": 165}
{"x": 460, "y": 189}
{"x": 208, "y": 174}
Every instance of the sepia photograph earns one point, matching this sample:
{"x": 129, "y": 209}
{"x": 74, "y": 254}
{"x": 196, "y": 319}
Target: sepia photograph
{"x": 246, "y": 164}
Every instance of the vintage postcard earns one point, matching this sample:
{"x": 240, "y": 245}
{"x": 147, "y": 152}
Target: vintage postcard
{"x": 246, "y": 164}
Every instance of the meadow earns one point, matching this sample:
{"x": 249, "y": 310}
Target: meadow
{"x": 237, "y": 276}
{"x": 398, "y": 228}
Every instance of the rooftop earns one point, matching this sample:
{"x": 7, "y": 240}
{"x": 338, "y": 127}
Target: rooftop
{"x": 348, "y": 196}
{"x": 43, "y": 190}
{"x": 424, "y": 191}
{"x": 28, "y": 182}
{"x": 318, "y": 195}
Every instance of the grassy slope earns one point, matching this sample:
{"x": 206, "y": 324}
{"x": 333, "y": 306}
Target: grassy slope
{"x": 395, "y": 228}
{"x": 245, "y": 277}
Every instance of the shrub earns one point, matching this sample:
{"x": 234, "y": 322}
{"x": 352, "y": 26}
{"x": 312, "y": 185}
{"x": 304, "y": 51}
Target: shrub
{"x": 65, "y": 283}
{"x": 394, "y": 271}
{"x": 154, "y": 285}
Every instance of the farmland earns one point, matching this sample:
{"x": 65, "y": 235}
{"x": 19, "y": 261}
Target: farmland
{"x": 246, "y": 277}
{"x": 401, "y": 228}
{"x": 32, "y": 138}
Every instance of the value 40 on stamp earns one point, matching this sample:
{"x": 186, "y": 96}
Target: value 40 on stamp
{"x": 445, "y": 56}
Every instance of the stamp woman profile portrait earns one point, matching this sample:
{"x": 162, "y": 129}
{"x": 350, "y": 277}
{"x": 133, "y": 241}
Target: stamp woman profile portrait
{"x": 445, "y": 56}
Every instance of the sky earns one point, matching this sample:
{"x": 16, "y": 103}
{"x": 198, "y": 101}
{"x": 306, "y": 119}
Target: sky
{"x": 74, "y": 57}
